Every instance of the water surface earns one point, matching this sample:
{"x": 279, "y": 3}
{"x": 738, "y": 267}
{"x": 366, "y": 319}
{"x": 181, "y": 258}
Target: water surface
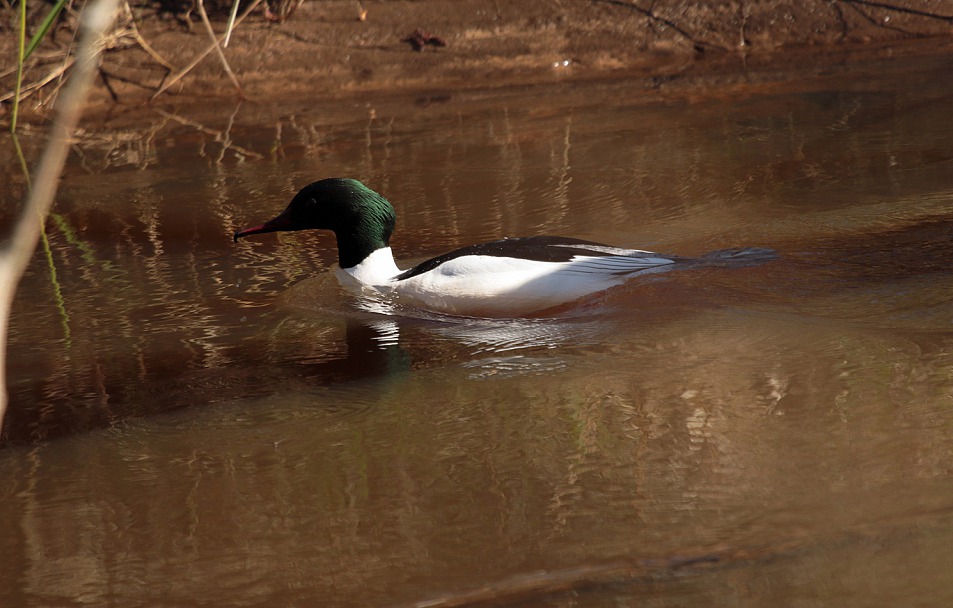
{"x": 195, "y": 422}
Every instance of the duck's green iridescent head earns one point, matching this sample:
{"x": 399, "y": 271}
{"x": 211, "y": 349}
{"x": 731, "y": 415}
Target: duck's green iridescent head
{"x": 361, "y": 219}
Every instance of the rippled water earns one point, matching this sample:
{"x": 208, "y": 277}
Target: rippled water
{"x": 195, "y": 422}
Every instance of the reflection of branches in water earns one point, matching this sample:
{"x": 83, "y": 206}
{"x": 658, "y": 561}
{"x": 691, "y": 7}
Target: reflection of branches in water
{"x": 139, "y": 319}
{"x": 222, "y": 137}
{"x": 511, "y": 163}
{"x": 524, "y": 587}
{"x": 26, "y": 232}
{"x": 165, "y": 299}
{"x": 57, "y": 290}
{"x": 544, "y": 584}
{"x": 390, "y": 472}
{"x": 561, "y": 176}
{"x": 118, "y": 148}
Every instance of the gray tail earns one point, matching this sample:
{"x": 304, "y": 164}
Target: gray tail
{"x": 747, "y": 256}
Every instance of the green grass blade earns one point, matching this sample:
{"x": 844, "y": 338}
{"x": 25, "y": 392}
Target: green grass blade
{"x": 44, "y": 27}
{"x": 23, "y": 164}
{"x": 25, "y": 50}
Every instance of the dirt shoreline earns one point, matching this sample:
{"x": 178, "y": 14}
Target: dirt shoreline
{"x": 326, "y": 51}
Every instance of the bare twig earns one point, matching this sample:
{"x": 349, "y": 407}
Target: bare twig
{"x": 901, "y": 9}
{"x": 218, "y": 47}
{"x": 198, "y": 58}
{"x": 650, "y": 13}
{"x": 29, "y": 89}
{"x": 15, "y": 254}
{"x": 142, "y": 41}
{"x": 126, "y": 33}
{"x": 844, "y": 27}
{"x": 232, "y": 15}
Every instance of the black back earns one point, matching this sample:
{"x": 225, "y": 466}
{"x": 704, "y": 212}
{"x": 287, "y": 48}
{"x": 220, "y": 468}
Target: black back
{"x": 537, "y": 248}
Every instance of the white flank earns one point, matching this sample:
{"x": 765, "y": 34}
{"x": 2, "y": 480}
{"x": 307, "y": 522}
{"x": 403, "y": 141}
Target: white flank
{"x": 498, "y": 286}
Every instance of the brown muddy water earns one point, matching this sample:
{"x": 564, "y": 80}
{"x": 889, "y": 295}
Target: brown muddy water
{"x": 195, "y": 422}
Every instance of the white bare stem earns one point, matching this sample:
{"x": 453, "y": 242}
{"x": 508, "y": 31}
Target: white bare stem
{"x": 16, "y": 252}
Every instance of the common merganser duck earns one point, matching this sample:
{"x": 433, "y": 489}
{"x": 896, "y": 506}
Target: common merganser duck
{"x": 509, "y": 277}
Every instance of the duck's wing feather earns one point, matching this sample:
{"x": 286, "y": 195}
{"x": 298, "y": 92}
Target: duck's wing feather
{"x": 586, "y": 256}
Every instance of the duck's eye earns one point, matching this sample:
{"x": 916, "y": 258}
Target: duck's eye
{"x": 308, "y": 203}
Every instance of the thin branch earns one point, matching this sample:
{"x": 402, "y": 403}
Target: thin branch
{"x": 901, "y": 9}
{"x": 877, "y": 23}
{"x": 29, "y": 89}
{"x": 650, "y": 13}
{"x": 142, "y": 41}
{"x": 218, "y": 47}
{"x": 232, "y": 15}
{"x": 844, "y": 28}
{"x": 181, "y": 73}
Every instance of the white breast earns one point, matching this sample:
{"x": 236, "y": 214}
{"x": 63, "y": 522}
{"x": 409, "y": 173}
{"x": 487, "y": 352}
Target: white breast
{"x": 377, "y": 269}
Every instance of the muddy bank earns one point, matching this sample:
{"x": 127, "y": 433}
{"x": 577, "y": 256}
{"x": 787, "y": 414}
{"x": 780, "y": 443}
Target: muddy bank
{"x": 332, "y": 48}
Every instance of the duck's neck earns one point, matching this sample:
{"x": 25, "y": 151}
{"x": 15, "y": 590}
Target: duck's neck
{"x": 364, "y": 227}
{"x": 377, "y": 268}
{"x": 356, "y": 246}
